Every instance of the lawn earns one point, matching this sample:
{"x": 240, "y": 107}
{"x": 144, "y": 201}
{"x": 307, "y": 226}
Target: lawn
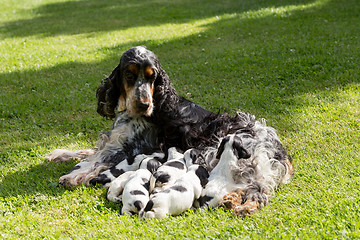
{"x": 293, "y": 62}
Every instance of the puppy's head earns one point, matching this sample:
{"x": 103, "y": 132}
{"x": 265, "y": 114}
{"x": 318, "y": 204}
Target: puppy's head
{"x": 193, "y": 156}
{"x": 232, "y": 143}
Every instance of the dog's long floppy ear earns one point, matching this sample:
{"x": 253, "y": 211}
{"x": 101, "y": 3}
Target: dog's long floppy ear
{"x": 109, "y": 94}
{"x": 165, "y": 93}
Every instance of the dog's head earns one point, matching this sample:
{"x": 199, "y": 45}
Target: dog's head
{"x": 131, "y": 84}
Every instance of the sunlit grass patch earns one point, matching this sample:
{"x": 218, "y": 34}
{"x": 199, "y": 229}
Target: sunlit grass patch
{"x": 294, "y": 63}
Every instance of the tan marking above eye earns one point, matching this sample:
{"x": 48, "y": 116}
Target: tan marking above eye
{"x": 148, "y": 72}
{"x": 134, "y": 69}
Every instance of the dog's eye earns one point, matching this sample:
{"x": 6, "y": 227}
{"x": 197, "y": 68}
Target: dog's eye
{"x": 130, "y": 77}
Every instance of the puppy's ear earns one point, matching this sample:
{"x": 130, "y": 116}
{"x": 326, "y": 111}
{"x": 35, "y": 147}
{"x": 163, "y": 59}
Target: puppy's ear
{"x": 110, "y": 94}
{"x": 194, "y": 155}
{"x": 221, "y": 148}
{"x": 239, "y": 150}
{"x": 152, "y": 165}
{"x": 203, "y": 175}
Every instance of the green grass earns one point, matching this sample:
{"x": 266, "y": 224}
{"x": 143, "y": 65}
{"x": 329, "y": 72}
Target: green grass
{"x": 293, "y": 62}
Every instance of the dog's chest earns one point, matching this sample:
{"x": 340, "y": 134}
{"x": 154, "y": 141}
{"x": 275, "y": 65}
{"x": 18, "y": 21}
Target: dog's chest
{"x": 134, "y": 133}
{"x": 137, "y": 124}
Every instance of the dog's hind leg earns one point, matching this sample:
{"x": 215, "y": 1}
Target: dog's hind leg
{"x": 247, "y": 201}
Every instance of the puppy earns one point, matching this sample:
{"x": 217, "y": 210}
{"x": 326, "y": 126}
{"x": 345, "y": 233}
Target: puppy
{"x": 221, "y": 178}
{"x": 106, "y": 177}
{"x": 148, "y": 162}
{"x": 134, "y": 187}
{"x": 117, "y": 186}
{"x": 193, "y": 156}
{"x": 179, "y": 197}
{"x": 250, "y": 165}
{"x": 167, "y": 173}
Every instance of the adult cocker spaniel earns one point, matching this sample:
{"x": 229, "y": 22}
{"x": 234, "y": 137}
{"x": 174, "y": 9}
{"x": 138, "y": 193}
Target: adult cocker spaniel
{"x": 245, "y": 158}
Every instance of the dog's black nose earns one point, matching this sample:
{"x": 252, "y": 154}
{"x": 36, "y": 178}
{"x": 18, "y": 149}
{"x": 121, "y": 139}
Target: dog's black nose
{"x": 142, "y": 106}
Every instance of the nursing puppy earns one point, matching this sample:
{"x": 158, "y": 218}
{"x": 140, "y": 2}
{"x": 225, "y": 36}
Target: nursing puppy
{"x": 132, "y": 188}
{"x": 179, "y": 197}
{"x": 193, "y": 156}
{"x": 251, "y": 164}
{"x": 152, "y": 161}
{"x": 169, "y": 172}
{"x": 221, "y": 180}
{"x": 149, "y": 162}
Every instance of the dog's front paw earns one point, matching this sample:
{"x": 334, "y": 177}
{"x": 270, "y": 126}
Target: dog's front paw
{"x": 66, "y": 182}
{"x": 71, "y": 180}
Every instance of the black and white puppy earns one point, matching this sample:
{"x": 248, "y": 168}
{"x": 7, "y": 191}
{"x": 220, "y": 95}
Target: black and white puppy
{"x": 251, "y": 161}
{"x": 169, "y": 172}
{"x": 152, "y": 162}
{"x": 193, "y": 156}
{"x": 149, "y": 162}
{"x": 221, "y": 179}
{"x": 179, "y": 197}
{"x": 132, "y": 188}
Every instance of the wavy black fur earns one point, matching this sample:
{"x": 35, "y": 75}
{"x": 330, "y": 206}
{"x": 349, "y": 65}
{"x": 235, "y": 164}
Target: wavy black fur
{"x": 182, "y": 123}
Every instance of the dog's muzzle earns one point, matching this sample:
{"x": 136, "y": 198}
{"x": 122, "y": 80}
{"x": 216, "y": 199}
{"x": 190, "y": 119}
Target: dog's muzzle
{"x": 144, "y": 98}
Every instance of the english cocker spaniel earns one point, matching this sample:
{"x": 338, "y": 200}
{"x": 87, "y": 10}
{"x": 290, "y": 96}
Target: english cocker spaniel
{"x": 241, "y": 154}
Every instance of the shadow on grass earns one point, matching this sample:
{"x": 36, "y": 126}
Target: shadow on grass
{"x": 42, "y": 179}
{"x": 87, "y": 16}
{"x": 36, "y": 179}
{"x": 257, "y": 64}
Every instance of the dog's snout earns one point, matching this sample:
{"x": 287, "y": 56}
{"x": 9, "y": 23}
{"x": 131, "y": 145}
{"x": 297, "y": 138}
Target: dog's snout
{"x": 142, "y": 105}
{"x": 142, "y": 92}
{"x": 143, "y": 98}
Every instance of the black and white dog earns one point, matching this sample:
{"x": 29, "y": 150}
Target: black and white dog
{"x": 169, "y": 172}
{"x": 132, "y": 189}
{"x": 150, "y": 117}
{"x": 180, "y": 196}
{"x": 138, "y": 178}
{"x": 249, "y": 163}
{"x": 150, "y": 162}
